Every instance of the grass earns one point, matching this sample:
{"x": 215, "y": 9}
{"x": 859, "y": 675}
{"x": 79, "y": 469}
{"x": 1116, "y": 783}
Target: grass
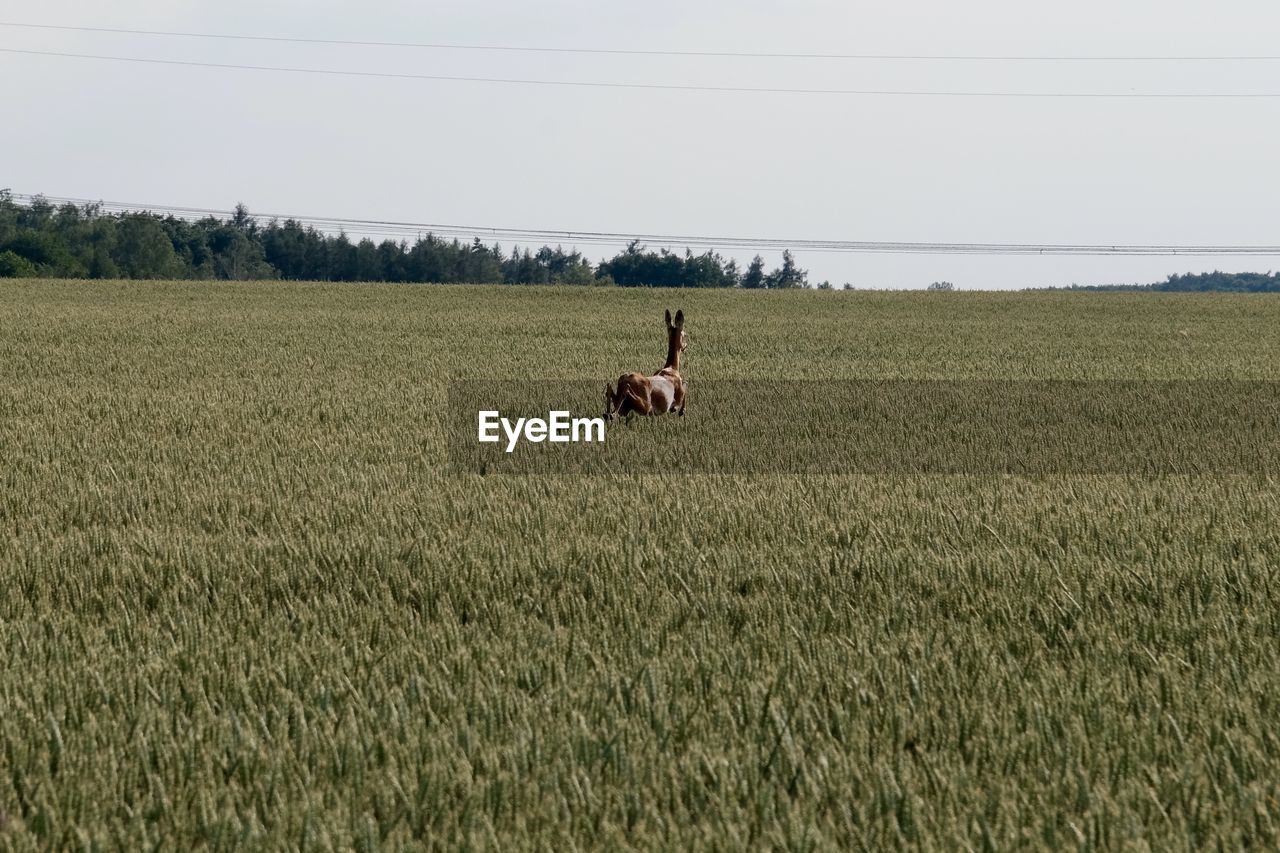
{"x": 244, "y": 601}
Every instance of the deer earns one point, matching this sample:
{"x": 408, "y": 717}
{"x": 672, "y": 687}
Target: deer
{"x": 658, "y": 394}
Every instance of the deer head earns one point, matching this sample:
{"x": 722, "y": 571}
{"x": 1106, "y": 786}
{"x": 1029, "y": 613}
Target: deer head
{"x": 677, "y": 341}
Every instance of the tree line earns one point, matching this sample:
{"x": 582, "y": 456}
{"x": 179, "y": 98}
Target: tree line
{"x": 1216, "y": 281}
{"x": 83, "y": 241}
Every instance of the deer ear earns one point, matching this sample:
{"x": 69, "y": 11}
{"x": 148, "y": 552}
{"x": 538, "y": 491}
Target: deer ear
{"x": 679, "y": 319}
{"x": 668, "y": 317}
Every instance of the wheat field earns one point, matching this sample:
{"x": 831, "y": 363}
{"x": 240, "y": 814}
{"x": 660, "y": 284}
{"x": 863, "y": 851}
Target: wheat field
{"x": 246, "y": 602}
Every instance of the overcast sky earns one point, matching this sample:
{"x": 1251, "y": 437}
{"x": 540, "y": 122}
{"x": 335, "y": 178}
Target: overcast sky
{"x": 1034, "y": 170}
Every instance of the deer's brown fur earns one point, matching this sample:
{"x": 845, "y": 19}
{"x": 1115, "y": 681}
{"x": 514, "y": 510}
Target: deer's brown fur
{"x": 659, "y": 393}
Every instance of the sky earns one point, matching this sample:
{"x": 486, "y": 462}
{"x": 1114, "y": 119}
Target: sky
{"x": 735, "y": 164}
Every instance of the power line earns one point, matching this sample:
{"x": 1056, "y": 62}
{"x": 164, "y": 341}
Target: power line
{"x": 646, "y": 52}
{"x": 329, "y": 224}
{"x": 650, "y": 86}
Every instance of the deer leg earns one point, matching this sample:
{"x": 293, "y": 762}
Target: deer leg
{"x": 610, "y": 403}
{"x": 634, "y": 404}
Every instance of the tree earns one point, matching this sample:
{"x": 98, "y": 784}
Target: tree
{"x": 44, "y": 251}
{"x": 342, "y": 258}
{"x": 942, "y": 285}
{"x": 636, "y": 267}
{"x": 788, "y": 276}
{"x": 144, "y": 251}
{"x": 13, "y": 265}
{"x": 731, "y": 273}
{"x": 391, "y": 260}
{"x": 241, "y": 219}
{"x": 238, "y": 257}
{"x": 754, "y": 277}
{"x": 293, "y": 250}
{"x": 368, "y": 262}
{"x": 482, "y": 264}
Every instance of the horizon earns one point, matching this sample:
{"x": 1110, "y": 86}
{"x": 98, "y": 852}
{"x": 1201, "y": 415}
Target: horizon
{"x": 324, "y": 226}
{"x": 1025, "y": 169}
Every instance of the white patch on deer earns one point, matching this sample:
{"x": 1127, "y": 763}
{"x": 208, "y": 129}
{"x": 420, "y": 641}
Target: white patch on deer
{"x": 662, "y": 393}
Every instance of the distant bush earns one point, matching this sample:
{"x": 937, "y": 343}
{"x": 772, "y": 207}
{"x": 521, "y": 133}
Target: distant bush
{"x": 13, "y": 265}
{"x": 1205, "y": 282}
